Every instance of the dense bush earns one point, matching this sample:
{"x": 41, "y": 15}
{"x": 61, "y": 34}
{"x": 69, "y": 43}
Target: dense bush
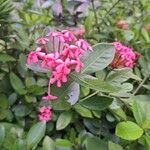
{"x": 103, "y": 106}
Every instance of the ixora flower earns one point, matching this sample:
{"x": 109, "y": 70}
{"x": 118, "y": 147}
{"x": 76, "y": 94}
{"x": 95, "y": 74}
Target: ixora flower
{"x": 124, "y": 57}
{"x": 45, "y": 113}
{"x": 59, "y": 53}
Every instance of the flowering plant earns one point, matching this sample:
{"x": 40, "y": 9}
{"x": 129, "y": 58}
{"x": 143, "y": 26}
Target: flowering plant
{"x": 61, "y": 53}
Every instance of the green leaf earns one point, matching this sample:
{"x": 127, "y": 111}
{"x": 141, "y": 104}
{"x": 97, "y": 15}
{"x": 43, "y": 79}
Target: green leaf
{"x": 63, "y": 143}
{"x": 84, "y": 112}
{"x": 17, "y": 84}
{"x": 113, "y": 146}
{"x": 94, "y": 143}
{"x": 48, "y": 144}
{"x": 97, "y": 102}
{"x": 2, "y": 134}
{"x": 119, "y": 76}
{"x": 101, "y": 56}
{"x": 93, "y": 83}
{"x": 88, "y": 22}
{"x": 6, "y": 58}
{"x": 141, "y": 110}
{"x": 128, "y": 130}
{"x": 35, "y": 134}
{"x": 63, "y": 120}
{"x": 19, "y": 145}
{"x": 62, "y": 96}
{"x": 147, "y": 140}
{"x": 21, "y": 110}
{"x": 3, "y": 101}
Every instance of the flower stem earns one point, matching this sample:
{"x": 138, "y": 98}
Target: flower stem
{"x": 140, "y": 85}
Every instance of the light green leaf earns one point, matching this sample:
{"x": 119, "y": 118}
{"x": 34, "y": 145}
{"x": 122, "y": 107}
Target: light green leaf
{"x": 48, "y": 144}
{"x": 35, "y": 134}
{"x": 114, "y": 146}
{"x": 97, "y": 102}
{"x": 128, "y": 130}
{"x": 84, "y": 112}
{"x": 141, "y": 110}
{"x": 17, "y": 84}
{"x": 63, "y": 143}
{"x": 63, "y": 120}
{"x": 101, "y": 56}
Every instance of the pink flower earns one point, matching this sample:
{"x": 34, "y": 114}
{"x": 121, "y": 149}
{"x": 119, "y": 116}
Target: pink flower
{"x": 45, "y": 113}
{"x": 77, "y": 65}
{"x": 68, "y": 36}
{"x": 49, "y": 97}
{"x": 60, "y": 57}
{"x": 49, "y": 60}
{"x": 124, "y": 57}
{"x": 72, "y": 51}
{"x": 122, "y": 25}
{"x": 42, "y": 40}
{"x": 83, "y": 44}
{"x": 32, "y": 57}
{"x": 60, "y": 75}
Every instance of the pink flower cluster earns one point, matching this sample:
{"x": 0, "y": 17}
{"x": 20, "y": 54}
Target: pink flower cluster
{"x": 124, "y": 57}
{"x": 63, "y": 58}
{"x": 45, "y": 113}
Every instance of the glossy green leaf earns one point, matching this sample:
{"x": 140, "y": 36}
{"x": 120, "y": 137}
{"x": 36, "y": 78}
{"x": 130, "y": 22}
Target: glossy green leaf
{"x": 63, "y": 120}
{"x": 17, "y": 84}
{"x": 101, "y": 56}
{"x": 35, "y": 134}
{"x": 128, "y": 130}
{"x": 97, "y": 102}
{"x": 48, "y": 144}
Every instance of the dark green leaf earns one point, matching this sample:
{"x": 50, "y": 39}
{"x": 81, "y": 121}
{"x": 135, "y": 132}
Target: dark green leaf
{"x": 97, "y": 102}
{"x": 2, "y": 134}
{"x": 17, "y": 84}
{"x": 93, "y": 83}
{"x": 6, "y": 58}
{"x": 94, "y": 143}
{"x": 101, "y": 56}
